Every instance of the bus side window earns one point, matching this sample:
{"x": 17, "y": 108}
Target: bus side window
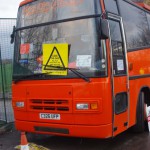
{"x": 136, "y": 26}
{"x": 148, "y": 19}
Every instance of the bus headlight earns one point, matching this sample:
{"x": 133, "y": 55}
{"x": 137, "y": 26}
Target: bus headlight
{"x": 82, "y": 106}
{"x": 20, "y": 104}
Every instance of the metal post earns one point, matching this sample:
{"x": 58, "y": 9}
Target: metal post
{"x": 3, "y": 86}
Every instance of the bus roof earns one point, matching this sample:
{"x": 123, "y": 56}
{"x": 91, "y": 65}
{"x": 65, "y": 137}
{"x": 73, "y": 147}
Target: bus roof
{"x": 25, "y": 2}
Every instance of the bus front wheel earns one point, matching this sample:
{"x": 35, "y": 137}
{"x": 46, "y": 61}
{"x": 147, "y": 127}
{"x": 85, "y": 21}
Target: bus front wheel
{"x": 140, "y": 115}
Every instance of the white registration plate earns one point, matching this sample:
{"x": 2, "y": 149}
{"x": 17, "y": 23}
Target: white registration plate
{"x": 49, "y": 116}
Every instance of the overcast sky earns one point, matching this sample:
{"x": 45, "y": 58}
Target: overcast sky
{"x": 8, "y": 8}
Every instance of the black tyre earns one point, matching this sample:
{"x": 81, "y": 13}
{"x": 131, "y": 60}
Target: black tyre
{"x": 140, "y": 116}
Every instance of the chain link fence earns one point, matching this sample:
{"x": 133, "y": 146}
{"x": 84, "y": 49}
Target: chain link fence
{"x": 6, "y": 57}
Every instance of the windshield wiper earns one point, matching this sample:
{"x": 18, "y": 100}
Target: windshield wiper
{"x": 74, "y": 70}
{"x": 31, "y": 75}
{"x": 56, "y": 67}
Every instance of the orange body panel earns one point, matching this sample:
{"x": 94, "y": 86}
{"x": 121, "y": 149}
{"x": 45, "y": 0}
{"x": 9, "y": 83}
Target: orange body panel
{"x": 74, "y": 91}
{"x": 120, "y": 85}
{"x": 140, "y": 61}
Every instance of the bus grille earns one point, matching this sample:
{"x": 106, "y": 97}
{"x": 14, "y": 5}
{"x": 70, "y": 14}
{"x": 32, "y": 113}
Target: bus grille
{"x": 50, "y": 105}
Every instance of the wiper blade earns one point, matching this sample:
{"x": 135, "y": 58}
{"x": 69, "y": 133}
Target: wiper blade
{"x": 27, "y": 76}
{"x": 74, "y": 70}
{"x": 56, "y": 67}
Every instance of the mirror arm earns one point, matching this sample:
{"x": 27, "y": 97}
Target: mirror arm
{"x": 12, "y": 36}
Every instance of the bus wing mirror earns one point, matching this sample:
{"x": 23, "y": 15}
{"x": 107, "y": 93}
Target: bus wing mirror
{"x": 104, "y": 29}
{"x": 12, "y": 36}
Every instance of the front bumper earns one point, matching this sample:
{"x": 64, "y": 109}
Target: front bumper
{"x": 102, "y": 131}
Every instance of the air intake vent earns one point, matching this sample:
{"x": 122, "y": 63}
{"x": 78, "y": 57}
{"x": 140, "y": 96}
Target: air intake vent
{"x": 49, "y": 105}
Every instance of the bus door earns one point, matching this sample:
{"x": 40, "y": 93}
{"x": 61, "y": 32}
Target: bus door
{"x": 120, "y": 82}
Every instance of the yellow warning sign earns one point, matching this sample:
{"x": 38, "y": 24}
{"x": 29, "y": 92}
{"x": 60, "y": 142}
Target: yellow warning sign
{"x": 55, "y": 59}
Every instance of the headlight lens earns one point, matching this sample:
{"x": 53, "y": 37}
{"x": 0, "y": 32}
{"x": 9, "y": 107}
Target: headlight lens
{"x": 82, "y": 106}
{"x": 20, "y": 104}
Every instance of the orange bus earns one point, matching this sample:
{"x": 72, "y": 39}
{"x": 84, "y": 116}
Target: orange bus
{"x": 81, "y": 67}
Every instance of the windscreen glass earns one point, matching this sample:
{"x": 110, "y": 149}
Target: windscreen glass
{"x": 42, "y": 11}
{"x": 71, "y": 44}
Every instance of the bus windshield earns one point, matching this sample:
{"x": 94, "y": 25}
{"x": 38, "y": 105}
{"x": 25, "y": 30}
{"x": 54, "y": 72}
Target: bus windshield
{"x": 86, "y": 51}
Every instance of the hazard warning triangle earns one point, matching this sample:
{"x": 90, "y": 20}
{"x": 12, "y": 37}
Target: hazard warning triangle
{"x": 54, "y": 60}
{"x": 55, "y": 55}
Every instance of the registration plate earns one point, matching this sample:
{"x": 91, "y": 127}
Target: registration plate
{"x": 49, "y": 116}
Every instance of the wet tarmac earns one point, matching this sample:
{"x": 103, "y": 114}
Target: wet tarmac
{"x": 125, "y": 141}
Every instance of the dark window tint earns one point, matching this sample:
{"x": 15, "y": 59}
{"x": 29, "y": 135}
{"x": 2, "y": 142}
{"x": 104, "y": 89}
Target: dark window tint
{"x": 115, "y": 30}
{"x": 116, "y": 38}
{"x": 148, "y": 33}
{"x": 111, "y": 6}
{"x": 136, "y": 25}
{"x": 121, "y": 103}
{"x": 117, "y": 48}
